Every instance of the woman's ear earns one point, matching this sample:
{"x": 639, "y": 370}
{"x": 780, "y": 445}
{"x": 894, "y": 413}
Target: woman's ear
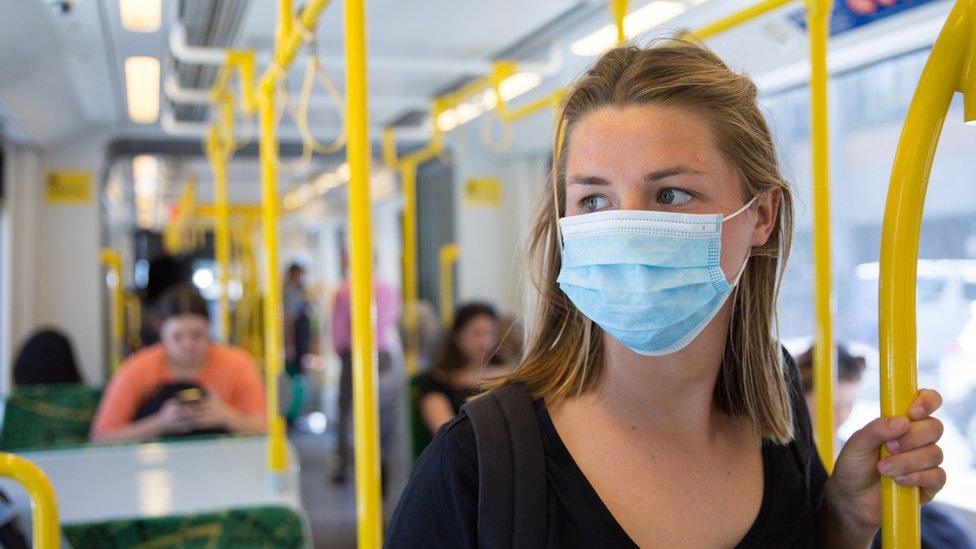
{"x": 767, "y": 214}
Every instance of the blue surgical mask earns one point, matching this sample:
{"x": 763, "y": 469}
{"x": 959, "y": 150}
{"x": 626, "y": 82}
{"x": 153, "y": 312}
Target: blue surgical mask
{"x": 652, "y": 280}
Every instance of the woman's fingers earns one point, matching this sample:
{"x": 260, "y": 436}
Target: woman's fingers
{"x": 920, "y": 433}
{"x": 865, "y": 442}
{"x": 930, "y": 481}
{"x": 911, "y": 462}
{"x": 926, "y": 403}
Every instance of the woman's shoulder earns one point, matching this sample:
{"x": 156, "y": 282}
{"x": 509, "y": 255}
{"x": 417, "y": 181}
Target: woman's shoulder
{"x": 148, "y": 358}
{"x": 439, "y": 505}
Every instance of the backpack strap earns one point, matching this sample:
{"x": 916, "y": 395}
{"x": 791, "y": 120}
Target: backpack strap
{"x": 512, "y": 507}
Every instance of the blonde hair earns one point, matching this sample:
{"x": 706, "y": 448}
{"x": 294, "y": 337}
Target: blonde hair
{"x": 565, "y": 354}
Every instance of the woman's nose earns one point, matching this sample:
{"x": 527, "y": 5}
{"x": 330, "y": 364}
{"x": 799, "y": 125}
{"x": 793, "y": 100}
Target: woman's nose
{"x": 634, "y": 198}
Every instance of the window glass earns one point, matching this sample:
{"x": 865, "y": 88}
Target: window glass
{"x": 868, "y": 107}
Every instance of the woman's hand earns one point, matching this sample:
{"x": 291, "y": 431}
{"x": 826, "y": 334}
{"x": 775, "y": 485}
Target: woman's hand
{"x": 173, "y": 418}
{"x": 853, "y": 493}
{"x": 212, "y": 413}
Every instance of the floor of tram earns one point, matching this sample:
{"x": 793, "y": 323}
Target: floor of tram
{"x": 330, "y": 507}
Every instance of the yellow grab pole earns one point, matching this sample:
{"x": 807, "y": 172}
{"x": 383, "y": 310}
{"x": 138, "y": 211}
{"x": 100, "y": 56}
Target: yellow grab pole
{"x": 44, "y": 503}
{"x": 942, "y": 76}
{"x": 219, "y": 150}
{"x": 288, "y": 40}
{"x": 369, "y": 509}
{"x": 448, "y": 256}
{"x": 113, "y": 263}
{"x": 619, "y": 10}
{"x": 272, "y": 300}
{"x": 818, "y": 22}
{"x": 738, "y": 18}
{"x": 408, "y": 176}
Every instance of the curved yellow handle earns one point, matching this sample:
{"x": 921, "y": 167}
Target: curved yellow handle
{"x": 943, "y": 74}
{"x": 47, "y": 533}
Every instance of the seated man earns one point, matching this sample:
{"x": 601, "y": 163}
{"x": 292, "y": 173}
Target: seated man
{"x": 185, "y": 384}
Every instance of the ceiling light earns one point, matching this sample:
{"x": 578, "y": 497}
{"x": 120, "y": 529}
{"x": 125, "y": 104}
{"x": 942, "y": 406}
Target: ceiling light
{"x": 635, "y": 23}
{"x": 141, "y": 15}
{"x": 517, "y": 84}
{"x": 447, "y": 120}
{"x": 467, "y": 112}
{"x": 142, "y": 89}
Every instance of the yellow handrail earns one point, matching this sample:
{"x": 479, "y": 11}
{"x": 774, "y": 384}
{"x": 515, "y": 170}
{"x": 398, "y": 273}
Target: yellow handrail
{"x": 619, "y": 10}
{"x": 449, "y": 254}
{"x": 949, "y": 68}
{"x": 113, "y": 263}
{"x": 289, "y": 37}
{"x": 218, "y": 152}
{"x": 44, "y": 502}
{"x": 818, "y": 23}
{"x": 369, "y": 508}
{"x": 738, "y": 18}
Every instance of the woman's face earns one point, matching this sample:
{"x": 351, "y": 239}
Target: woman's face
{"x": 653, "y": 157}
{"x": 185, "y": 338}
{"x": 478, "y": 338}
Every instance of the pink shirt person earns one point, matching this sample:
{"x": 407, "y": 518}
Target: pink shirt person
{"x": 387, "y": 312}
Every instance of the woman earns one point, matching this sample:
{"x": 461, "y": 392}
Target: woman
{"x": 184, "y": 384}
{"x": 668, "y": 417}
{"x": 469, "y": 347}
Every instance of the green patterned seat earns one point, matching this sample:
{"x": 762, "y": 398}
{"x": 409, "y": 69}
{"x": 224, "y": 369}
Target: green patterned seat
{"x": 257, "y": 527}
{"x": 38, "y": 417}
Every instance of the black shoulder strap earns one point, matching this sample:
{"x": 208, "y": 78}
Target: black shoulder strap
{"x": 512, "y": 509}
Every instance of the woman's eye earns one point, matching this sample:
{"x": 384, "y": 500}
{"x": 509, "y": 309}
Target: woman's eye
{"x": 673, "y": 197}
{"x": 595, "y": 202}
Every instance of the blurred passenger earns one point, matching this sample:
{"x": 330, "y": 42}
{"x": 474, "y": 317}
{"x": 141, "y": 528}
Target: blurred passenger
{"x": 941, "y": 529}
{"x": 469, "y": 354}
{"x": 654, "y": 405}
{"x": 430, "y": 333}
{"x": 165, "y": 272}
{"x": 184, "y": 385}
{"x": 298, "y": 335}
{"x": 46, "y": 357}
{"x": 387, "y": 314}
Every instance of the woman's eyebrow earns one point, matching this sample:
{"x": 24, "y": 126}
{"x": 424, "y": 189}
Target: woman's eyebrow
{"x": 670, "y": 172}
{"x": 588, "y": 180}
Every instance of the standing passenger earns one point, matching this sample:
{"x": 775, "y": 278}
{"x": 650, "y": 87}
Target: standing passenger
{"x": 663, "y": 411}
{"x": 387, "y": 314}
{"x": 298, "y": 335}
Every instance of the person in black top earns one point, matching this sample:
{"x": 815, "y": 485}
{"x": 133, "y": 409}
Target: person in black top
{"x": 668, "y": 414}
{"x": 469, "y": 354}
{"x": 46, "y": 357}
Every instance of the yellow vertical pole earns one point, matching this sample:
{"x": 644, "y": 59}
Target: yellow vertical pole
{"x": 818, "y": 22}
{"x": 942, "y": 76}
{"x": 273, "y": 359}
{"x": 619, "y": 10}
{"x": 365, "y": 412}
{"x": 448, "y": 256}
{"x": 44, "y": 502}
{"x": 408, "y": 176}
{"x": 113, "y": 263}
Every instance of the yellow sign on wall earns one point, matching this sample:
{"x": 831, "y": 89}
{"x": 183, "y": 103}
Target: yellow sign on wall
{"x": 69, "y": 187}
{"x": 483, "y": 192}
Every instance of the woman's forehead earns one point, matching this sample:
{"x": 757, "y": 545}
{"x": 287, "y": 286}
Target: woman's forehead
{"x": 643, "y": 138}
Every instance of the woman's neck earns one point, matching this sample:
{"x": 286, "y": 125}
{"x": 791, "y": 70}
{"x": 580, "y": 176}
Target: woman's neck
{"x": 185, "y": 370}
{"x": 666, "y": 394}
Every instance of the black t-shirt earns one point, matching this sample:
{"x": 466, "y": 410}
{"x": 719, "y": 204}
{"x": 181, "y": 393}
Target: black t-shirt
{"x": 439, "y": 506}
{"x": 430, "y": 384}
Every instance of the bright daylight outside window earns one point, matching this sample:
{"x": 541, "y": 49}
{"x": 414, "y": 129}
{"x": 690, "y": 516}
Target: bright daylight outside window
{"x": 870, "y": 104}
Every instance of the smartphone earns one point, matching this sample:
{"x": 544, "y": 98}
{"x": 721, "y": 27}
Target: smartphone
{"x": 192, "y": 395}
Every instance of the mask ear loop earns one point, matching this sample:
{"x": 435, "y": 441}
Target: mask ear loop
{"x": 745, "y": 262}
{"x": 742, "y": 209}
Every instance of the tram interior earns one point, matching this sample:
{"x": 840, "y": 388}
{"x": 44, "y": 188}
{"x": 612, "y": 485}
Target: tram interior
{"x": 105, "y": 109}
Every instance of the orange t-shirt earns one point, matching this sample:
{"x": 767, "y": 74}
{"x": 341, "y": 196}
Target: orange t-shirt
{"x": 227, "y": 371}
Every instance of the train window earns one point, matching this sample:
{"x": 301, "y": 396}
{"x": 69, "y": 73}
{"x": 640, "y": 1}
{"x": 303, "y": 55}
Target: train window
{"x": 868, "y": 107}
